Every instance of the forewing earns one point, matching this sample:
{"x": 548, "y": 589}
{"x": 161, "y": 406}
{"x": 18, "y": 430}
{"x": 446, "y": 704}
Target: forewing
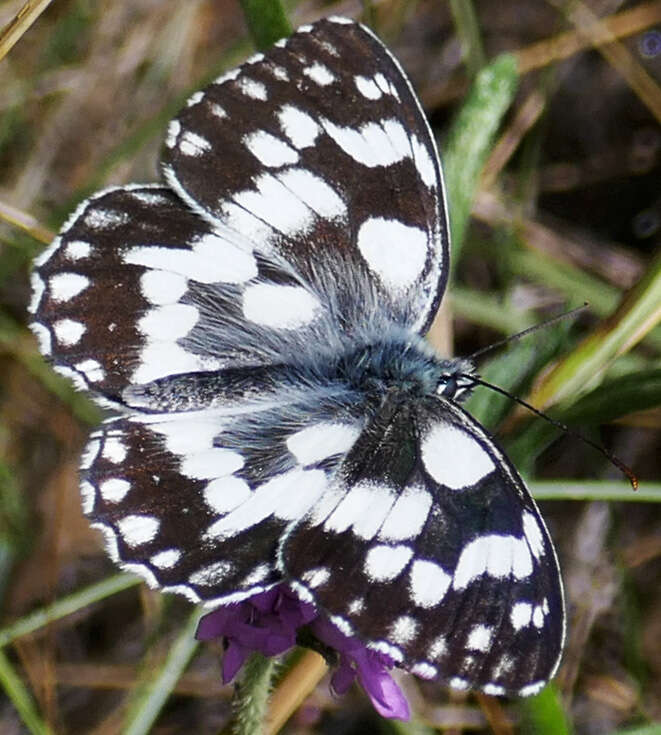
{"x": 137, "y": 287}
{"x": 430, "y": 548}
{"x": 319, "y": 150}
{"x": 196, "y": 502}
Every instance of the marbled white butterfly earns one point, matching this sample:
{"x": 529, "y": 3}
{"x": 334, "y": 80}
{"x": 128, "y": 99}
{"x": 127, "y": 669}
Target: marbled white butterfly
{"x": 257, "y": 324}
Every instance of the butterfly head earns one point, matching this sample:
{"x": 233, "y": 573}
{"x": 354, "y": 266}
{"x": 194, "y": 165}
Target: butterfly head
{"x": 455, "y": 380}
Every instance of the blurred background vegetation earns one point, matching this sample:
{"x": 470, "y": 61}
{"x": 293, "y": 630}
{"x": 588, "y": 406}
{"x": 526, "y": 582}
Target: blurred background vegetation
{"x": 553, "y": 163}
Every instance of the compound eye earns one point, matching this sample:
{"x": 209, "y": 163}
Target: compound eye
{"x": 447, "y": 385}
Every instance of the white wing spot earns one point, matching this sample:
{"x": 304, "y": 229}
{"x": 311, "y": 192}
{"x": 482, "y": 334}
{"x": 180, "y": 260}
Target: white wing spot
{"x": 159, "y": 359}
{"x": 280, "y": 307}
{"x": 211, "y": 463}
{"x": 454, "y": 458}
{"x": 343, "y": 625}
{"x": 319, "y": 74}
{"x": 161, "y": 287}
{"x": 91, "y": 452}
{"x": 404, "y": 629}
{"x": 356, "y": 606}
{"x": 521, "y": 615}
{"x": 258, "y": 574}
{"x": 217, "y": 110}
{"x": 288, "y": 496}
{"x": 276, "y": 205}
{"x": 497, "y": 556}
{"x": 114, "y": 449}
{"x": 495, "y": 690}
{"x": 317, "y": 442}
{"x": 47, "y": 253}
{"x": 72, "y": 375}
{"x": 137, "y": 530}
{"x": 212, "y": 574}
{"x": 458, "y": 683}
{"x": 174, "y": 128}
{"x": 316, "y": 577}
{"x": 77, "y": 250}
{"x": 65, "y": 286}
{"x": 424, "y": 163}
{"x": 424, "y": 670}
{"x": 169, "y": 323}
{"x": 87, "y": 495}
{"x": 110, "y": 541}
{"x": 394, "y": 251}
{"x": 101, "y": 219}
{"x": 226, "y": 493}
{"x": 408, "y": 516}
{"x": 533, "y": 534}
{"x": 298, "y": 126}
{"x": 269, "y": 150}
{"x": 479, "y": 638}
{"x": 252, "y": 88}
{"x": 43, "y": 337}
{"x": 531, "y": 689}
{"x": 279, "y": 72}
{"x": 319, "y": 196}
{"x": 428, "y": 583}
{"x": 384, "y": 563}
{"x": 114, "y": 490}
{"x": 166, "y": 559}
{"x": 194, "y": 99}
{"x": 363, "y": 509}
{"x": 68, "y": 332}
{"x": 192, "y": 144}
{"x": 151, "y": 198}
{"x": 227, "y": 76}
{"x": 387, "y": 648}
{"x": 92, "y": 370}
{"x": 38, "y": 287}
{"x": 438, "y": 648}
{"x": 211, "y": 259}
{"x": 373, "y": 144}
{"x": 368, "y": 88}
{"x": 538, "y": 617}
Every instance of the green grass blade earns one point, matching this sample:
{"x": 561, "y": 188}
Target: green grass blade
{"x": 621, "y": 396}
{"x": 468, "y": 30}
{"x": 21, "y": 698}
{"x": 267, "y": 21}
{"x": 471, "y": 137}
{"x": 609, "y": 490}
{"x": 149, "y": 703}
{"x": 66, "y": 606}
{"x": 488, "y": 310}
{"x": 651, "y": 729}
{"x": 638, "y": 314}
{"x": 544, "y": 714}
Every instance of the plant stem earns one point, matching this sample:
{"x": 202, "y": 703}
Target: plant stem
{"x": 252, "y": 695}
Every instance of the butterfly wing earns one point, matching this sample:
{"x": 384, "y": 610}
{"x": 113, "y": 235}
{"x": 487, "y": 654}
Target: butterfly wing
{"x": 196, "y": 502}
{"x": 318, "y": 152}
{"x": 137, "y": 288}
{"x": 444, "y": 561}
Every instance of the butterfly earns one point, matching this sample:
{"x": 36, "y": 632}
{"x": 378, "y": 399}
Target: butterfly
{"x": 256, "y": 324}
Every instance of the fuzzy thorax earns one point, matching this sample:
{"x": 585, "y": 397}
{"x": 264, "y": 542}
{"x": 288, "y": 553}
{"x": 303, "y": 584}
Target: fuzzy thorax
{"x": 406, "y": 363}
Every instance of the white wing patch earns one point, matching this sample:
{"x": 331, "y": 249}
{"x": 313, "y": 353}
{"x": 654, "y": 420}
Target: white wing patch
{"x": 396, "y": 252}
{"x": 454, "y": 458}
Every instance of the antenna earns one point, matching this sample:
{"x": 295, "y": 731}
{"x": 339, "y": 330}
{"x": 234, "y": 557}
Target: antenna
{"x": 530, "y": 330}
{"x": 558, "y": 424}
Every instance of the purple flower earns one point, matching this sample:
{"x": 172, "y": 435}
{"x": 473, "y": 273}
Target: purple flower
{"x": 268, "y": 622}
